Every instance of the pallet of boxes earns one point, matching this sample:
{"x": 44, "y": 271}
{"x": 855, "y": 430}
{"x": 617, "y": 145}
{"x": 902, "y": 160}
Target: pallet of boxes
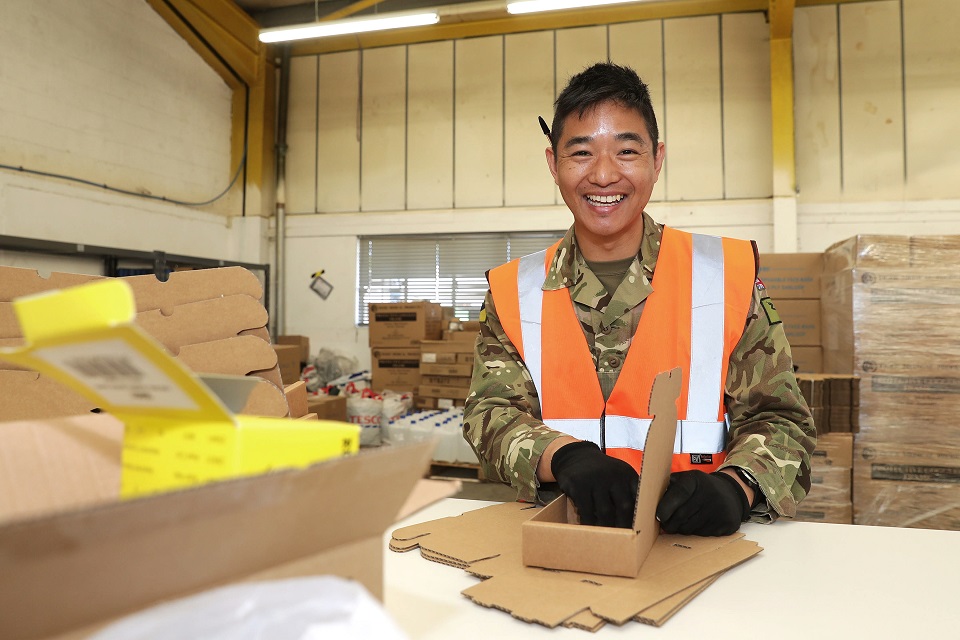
{"x": 793, "y": 281}
{"x": 891, "y": 316}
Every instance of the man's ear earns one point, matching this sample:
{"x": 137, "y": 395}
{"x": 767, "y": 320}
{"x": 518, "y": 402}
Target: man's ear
{"x": 552, "y": 163}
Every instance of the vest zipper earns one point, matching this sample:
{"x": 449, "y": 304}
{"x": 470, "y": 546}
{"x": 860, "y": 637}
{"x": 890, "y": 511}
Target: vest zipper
{"x": 603, "y": 429}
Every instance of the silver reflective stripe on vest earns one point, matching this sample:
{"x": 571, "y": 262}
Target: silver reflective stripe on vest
{"x": 692, "y": 437}
{"x": 706, "y": 329}
{"x": 530, "y": 277}
{"x": 580, "y": 428}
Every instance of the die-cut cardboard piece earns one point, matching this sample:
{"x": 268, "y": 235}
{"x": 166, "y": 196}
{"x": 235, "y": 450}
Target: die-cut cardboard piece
{"x": 554, "y": 539}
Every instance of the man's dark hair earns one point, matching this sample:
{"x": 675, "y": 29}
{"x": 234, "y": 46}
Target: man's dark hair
{"x": 603, "y": 82}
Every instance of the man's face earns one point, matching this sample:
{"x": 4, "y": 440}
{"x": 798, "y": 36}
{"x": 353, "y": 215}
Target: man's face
{"x": 606, "y": 166}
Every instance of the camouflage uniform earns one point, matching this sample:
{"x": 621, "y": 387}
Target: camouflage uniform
{"x": 772, "y": 433}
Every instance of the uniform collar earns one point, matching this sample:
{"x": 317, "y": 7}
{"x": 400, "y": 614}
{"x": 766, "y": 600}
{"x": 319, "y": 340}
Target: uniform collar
{"x": 569, "y": 268}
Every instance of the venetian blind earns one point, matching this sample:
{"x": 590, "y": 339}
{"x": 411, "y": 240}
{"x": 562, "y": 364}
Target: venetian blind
{"x": 448, "y": 269}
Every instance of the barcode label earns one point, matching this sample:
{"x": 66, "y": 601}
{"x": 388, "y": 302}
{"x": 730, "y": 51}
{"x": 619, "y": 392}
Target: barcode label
{"x": 119, "y": 373}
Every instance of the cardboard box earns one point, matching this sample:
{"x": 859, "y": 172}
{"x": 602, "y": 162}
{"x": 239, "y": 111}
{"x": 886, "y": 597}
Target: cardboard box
{"x": 288, "y": 359}
{"x": 867, "y": 251}
{"x": 404, "y": 324}
{"x": 303, "y": 342}
{"x": 395, "y": 369}
{"x": 832, "y": 513}
{"x": 834, "y": 450}
{"x": 328, "y": 407}
{"x": 178, "y": 433}
{"x": 443, "y": 391}
{"x": 554, "y": 537}
{"x": 801, "y": 321}
{"x": 463, "y": 337}
{"x": 92, "y": 558}
{"x": 807, "y": 359}
{"x": 447, "y": 381}
{"x": 791, "y": 275}
{"x": 430, "y": 369}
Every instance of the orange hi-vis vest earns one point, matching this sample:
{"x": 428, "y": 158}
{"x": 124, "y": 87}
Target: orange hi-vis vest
{"x": 693, "y": 319}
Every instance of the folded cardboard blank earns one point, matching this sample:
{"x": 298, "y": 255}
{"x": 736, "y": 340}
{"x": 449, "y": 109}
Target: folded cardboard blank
{"x": 554, "y": 538}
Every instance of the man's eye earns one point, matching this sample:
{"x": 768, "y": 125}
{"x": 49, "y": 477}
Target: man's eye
{"x": 629, "y": 152}
{"x": 581, "y": 153}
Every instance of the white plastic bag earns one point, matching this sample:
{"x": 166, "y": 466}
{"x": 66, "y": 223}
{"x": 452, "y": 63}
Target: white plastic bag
{"x": 365, "y": 409}
{"x": 294, "y": 609}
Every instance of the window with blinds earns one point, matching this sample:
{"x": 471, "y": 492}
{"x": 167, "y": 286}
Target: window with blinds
{"x": 448, "y": 269}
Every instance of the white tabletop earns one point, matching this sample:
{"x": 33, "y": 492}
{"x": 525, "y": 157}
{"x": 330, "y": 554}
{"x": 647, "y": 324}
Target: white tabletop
{"x": 812, "y": 581}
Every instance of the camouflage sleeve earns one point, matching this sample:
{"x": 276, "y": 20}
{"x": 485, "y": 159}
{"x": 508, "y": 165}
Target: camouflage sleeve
{"x": 772, "y": 434}
{"x": 501, "y": 415}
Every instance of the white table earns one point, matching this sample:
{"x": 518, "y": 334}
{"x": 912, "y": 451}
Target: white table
{"x": 812, "y": 581}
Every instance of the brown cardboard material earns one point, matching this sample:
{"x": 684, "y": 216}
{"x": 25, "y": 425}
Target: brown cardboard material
{"x": 801, "y": 321}
{"x": 27, "y": 394}
{"x": 555, "y": 539}
{"x": 303, "y": 342}
{"x": 833, "y": 513}
{"x": 68, "y": 566}
{"x": 328, "y": 407}
{"x": 266, "y": 399}
{"x": 834, "y": 450}
{"x": 446, "y": 369}
{"x": 807, "y": 359}
{"x": 16, "y": 282}
{"x": 485, "y": 543}
{"x": 463, "y": 337}
{"x": 203, "y": 321}
{"x": 237, "y": 356}
{"x": 395, "y": 369}
{"x": 296, "y": 394}
{"x": 443, "y": 391}
{"x": 791, "y": 275}
{"x": 288, "y": 360}
{"x": 445, "y": 346}
{"x": 185, "y": 287}
{"x": 404, "y": 324}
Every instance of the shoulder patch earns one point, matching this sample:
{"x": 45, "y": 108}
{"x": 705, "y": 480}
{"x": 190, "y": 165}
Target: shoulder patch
{"x": 772, "y": 316}
{"x": 483, "y": 314}
{"x": 760, "y": 286}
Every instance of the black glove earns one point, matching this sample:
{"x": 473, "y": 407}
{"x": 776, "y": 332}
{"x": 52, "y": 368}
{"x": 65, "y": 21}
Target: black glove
{"x": 702, "y": 504}
{"x": 603, "y": 489}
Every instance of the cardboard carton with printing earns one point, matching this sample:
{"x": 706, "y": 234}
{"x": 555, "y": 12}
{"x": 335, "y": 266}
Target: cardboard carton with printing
{"x": 555, "y": 539}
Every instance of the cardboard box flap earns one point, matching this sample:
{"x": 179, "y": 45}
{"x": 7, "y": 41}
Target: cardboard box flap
{"x": 99, "y": 563}
{"x": 16, "y": 282}
{"x": 184, "y": 287}
{"x": 203, "y": 321}
{"x": 486, "y": 543}
{"x": 237, "y": 355}
{"x": 266, "y": 399}
{"x": 657, "y": 453}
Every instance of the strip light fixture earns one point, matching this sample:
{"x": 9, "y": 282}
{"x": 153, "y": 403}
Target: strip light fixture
{"x": 348, "y": 26}
{"x": 536, "y": 6}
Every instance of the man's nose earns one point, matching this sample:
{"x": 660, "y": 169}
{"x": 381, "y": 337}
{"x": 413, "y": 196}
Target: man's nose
{"x": 604, "y": 170}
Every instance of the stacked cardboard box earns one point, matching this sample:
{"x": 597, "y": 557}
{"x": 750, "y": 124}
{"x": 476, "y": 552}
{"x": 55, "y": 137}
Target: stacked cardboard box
{"x": 834, "y": 400}
{"x": 446, "y": 367}
{"x": 891, "y": 316}
{"x": 396, "y": 330}
{"x": 293, "y": 354}
{"x": 211, "y": 320}
{"x": 793, "y": 282}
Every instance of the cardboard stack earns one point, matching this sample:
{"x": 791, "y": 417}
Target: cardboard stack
{"x": 293, "y": 353}
{"x": 211, "y": 320}
{"x": 793, "y": 283}
{"x": 891, "y": 316}
{"x": 834, "y": 400}
{"x": 446, "y": 368}
{"x": 831, "y": 497}
{"x": 396, "y": 330}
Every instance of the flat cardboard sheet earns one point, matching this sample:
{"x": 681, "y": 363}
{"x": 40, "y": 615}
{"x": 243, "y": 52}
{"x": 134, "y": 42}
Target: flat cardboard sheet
{"x": 487, "y": 543}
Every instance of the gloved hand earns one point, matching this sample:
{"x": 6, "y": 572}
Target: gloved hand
{"x": 702, "y": 504}
{"x": 603, "y": 489}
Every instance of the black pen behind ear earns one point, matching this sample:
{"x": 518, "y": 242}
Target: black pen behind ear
{"x": 543, "y": 126}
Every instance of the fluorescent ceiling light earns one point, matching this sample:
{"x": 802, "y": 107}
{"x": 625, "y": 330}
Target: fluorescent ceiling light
{"x": 343, "y": 27}
{"x": 535, "y": 6}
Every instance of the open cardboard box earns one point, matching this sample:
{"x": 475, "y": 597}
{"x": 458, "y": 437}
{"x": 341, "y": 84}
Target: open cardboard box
{"x": 74, "y": 556}
{"x": 593, "y": 575}
{"x": 555, "y": 539}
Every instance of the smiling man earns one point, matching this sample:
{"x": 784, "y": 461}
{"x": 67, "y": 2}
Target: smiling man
{"x": 572, "y": 337}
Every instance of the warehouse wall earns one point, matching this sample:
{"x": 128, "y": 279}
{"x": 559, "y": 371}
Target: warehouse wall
{"x": 442, "y": 137}
{"x": 106, "y": 91}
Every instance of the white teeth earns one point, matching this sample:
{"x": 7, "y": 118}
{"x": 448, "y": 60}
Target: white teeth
{"x": 605, "y": 199}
